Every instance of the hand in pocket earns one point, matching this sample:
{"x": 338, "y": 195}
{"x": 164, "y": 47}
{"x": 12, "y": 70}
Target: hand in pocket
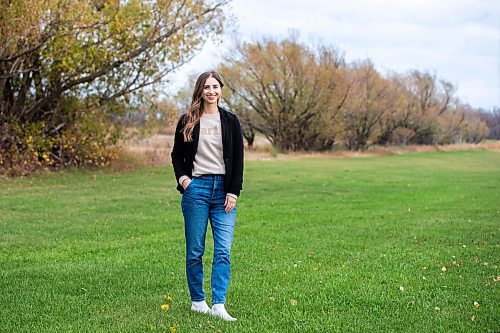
{"x": 186, "y": 182}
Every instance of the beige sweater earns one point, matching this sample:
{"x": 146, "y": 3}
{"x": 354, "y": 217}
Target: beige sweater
{"x": 209, "y": 159}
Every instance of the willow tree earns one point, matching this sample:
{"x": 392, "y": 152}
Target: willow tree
{"x": 65, "y": 63}
{"x": 370, "y": 98}
{"x": 428, "y": 99}
{"x": 287, "y": 91}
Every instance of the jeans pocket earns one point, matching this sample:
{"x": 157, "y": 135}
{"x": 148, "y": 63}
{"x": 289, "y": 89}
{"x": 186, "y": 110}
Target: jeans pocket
{"x": 190, "y": 195}
{"x": 189, "y": 185}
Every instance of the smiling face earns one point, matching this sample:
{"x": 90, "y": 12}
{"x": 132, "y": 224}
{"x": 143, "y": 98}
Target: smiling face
{"x": 211, "y": 91}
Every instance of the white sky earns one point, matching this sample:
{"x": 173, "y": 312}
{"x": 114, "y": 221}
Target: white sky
{"x": 459, "y": 40}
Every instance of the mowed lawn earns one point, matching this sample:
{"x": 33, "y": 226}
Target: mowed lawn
{"x": 407, "y": 243}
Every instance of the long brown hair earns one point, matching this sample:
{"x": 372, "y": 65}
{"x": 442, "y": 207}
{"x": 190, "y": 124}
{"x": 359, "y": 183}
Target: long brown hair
{"x": 194, "y": 113}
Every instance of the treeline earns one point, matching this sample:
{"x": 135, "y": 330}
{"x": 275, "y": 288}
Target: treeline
{"x": 302, "y": 98}
{"x": 73, "y": 73}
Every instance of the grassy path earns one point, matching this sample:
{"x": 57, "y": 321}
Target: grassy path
{"x": 381, "y": 244}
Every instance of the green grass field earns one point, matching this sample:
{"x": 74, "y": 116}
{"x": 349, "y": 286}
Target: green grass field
{"x": 402, "y": 243}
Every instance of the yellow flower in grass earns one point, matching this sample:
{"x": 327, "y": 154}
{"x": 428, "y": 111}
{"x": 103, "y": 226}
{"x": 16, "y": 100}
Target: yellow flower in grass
{"x": 169, "y": 299}
{"x": 172, "y": 329}
{"x": 165, "y": 307}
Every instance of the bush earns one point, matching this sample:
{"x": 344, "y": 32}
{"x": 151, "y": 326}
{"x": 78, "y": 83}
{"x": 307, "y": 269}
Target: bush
{"x": 88, "y": 140}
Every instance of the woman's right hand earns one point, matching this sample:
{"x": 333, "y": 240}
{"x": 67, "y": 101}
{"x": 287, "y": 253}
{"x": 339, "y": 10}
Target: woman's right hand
{"x": 186, "y": 182}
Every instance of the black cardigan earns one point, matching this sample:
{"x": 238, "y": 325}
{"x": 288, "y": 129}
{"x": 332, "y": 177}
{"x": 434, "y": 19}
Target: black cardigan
{"x": 183, "y": 153}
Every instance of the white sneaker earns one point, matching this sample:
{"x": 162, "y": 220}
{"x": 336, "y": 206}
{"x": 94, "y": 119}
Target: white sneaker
{"x": 200, "y": 307}
{"x": 219, "y": 311}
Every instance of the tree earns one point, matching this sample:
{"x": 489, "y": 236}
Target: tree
{"x": 289, "y": 90}
{"x": 492, "y": 119}
{"x": 473, "y": 129}
{"x": 92, "y": 54}
{"x": 426, "y": 100}
{"x": 396, "y": 113}
{"x": 370, "y": 97}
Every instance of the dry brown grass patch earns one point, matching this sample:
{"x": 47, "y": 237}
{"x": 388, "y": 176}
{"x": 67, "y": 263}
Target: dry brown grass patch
{"x": 154, "y": 150}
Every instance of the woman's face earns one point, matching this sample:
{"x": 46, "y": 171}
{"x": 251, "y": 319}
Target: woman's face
{"x": 211, "y": 91}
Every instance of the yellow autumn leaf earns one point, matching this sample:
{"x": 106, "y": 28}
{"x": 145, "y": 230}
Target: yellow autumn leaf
{"x": 165, "y": 307}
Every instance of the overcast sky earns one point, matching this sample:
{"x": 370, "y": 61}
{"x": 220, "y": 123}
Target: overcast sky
{"x": 458, "y": 40}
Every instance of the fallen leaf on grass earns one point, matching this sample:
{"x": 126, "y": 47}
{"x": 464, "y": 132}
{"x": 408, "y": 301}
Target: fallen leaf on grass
{"x": 476, "y": 305}
{"x": 172, "y": 329}
{"x": 165, "y": 307}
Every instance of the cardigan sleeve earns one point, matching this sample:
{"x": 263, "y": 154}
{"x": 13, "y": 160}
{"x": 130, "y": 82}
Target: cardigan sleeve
{"x": 238, "y": 152}
{"x": 177, "y": 153}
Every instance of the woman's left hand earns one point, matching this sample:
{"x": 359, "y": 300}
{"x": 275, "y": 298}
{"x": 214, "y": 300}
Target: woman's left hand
{"x": 229, "y": 204}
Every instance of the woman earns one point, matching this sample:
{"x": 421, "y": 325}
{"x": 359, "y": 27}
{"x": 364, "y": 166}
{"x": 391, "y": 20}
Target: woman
{"x": 208, "y": 163}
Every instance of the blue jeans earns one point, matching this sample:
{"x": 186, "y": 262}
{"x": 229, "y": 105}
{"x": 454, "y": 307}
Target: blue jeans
{"x": 203, "y": 200}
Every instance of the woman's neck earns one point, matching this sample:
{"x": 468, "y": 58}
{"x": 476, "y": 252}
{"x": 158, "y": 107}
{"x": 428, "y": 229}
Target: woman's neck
{"x": 210, "y": 109}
